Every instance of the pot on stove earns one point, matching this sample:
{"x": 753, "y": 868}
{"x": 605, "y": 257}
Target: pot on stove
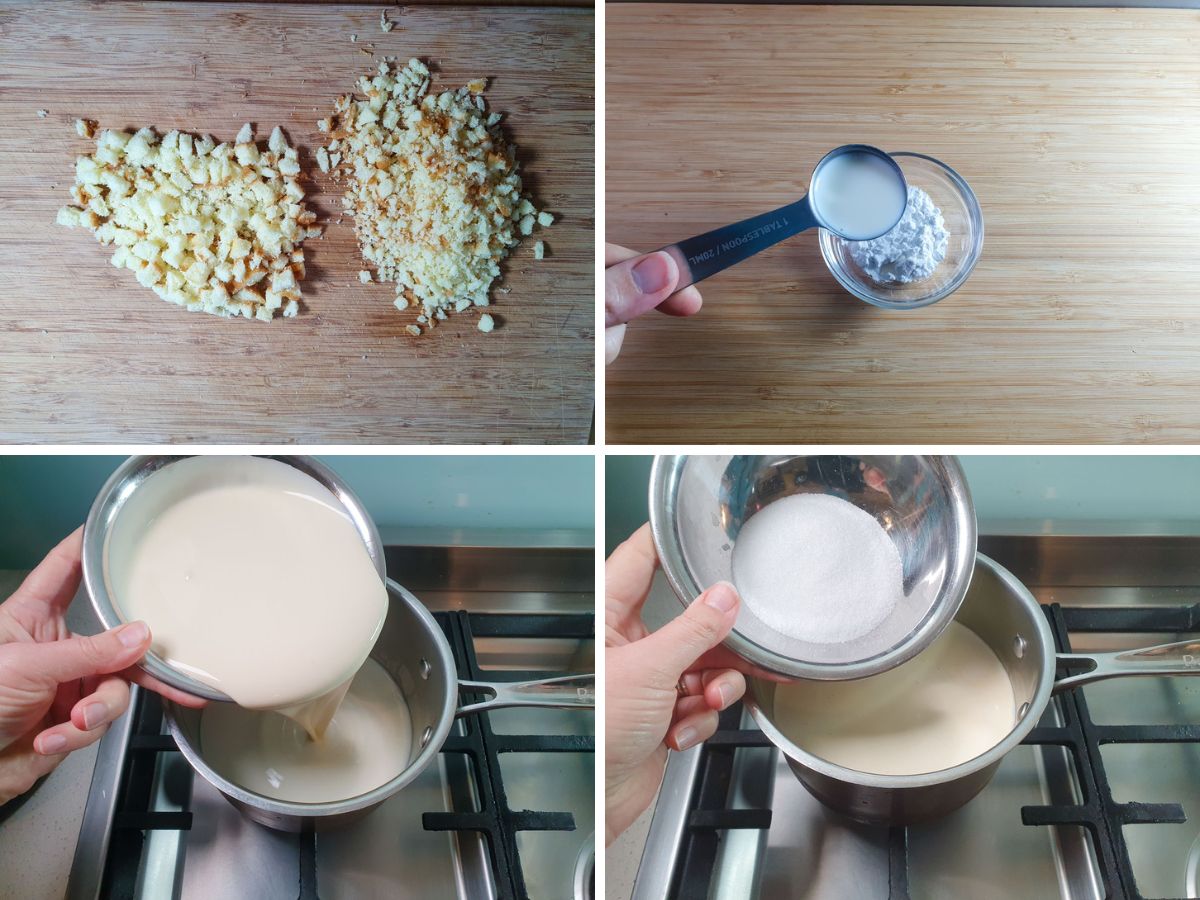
{"x": 1002, "y": 612}
{"x": 415, "y": 652}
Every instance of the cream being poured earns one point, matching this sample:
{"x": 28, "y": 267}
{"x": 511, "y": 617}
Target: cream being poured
{"x": 253, "y": 580}
{"x": 367, "y": 744}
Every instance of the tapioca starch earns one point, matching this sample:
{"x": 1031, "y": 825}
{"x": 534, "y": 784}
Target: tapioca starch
{"x": 912, "y": 250}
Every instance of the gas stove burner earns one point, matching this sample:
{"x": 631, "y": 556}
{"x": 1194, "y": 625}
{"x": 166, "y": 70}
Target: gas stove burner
{"x": 498, "y": 814}
{"x": 1067, "y": 815}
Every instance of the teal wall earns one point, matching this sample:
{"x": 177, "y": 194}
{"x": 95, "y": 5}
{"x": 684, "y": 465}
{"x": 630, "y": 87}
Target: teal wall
{"x": 1117, "y": 494}
{"x": 1013, "y": 494}
{"x": 626, "y": 482}
{"x": 43, "y": 498}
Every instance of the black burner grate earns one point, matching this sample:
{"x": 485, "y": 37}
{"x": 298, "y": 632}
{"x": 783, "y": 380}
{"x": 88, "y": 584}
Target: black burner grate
{"x": 495, "y": 820}
{"x": 1100, "y": 814}
{"x": 134, "y": 816}
{"x": 709, "y": 814}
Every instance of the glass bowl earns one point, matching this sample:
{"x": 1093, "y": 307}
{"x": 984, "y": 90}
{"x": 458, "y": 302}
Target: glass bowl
{"x": 964, "y": 220}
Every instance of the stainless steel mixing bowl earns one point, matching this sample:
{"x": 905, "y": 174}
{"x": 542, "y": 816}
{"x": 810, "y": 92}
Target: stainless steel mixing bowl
{"x": 129, "y": 477}
{"x": 584, "y": 879}
{"x": 698, "y": 505}
{"x": 414, "y": 651}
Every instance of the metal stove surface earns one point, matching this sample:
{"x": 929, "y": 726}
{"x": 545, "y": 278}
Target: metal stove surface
{"x": 389, "y": 853}
{"x": 386, "y": 854}
{"x": 983, "y": 851}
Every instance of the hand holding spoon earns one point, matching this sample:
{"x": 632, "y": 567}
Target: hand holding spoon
{"x": 857, "y": 192}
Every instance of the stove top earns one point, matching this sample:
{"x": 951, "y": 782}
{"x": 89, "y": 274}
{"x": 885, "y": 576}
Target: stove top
{"x": 506, "y": 813}
{"x": 1102, "y": 800}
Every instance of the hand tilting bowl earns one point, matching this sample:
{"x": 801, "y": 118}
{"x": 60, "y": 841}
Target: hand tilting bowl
{"x": 698, "y": 505}
{"x": 1000, "y": 610}
{"x": 413, "y": 650}
{"x": 111, "y": 503}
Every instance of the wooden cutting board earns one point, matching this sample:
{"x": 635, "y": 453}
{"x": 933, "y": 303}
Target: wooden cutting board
{"x": 88, "y": 355}
{"x": 1078, "y": 130}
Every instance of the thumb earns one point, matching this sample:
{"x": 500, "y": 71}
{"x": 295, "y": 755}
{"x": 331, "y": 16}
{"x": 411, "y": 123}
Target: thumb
{"x": 704, "y": 624}
{"x": 78, "y": 657}
{"x": 637, "y": 286}
{"x": 613, "y": 338}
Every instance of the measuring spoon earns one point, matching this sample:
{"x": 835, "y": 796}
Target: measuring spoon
{"x": 857, "y": 192}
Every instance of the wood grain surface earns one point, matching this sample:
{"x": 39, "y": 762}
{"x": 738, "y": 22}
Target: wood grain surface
{"x": 1078, "y": 130}
{"x": 88, "y": 355}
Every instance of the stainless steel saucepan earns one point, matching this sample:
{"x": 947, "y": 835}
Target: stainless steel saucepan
{"x": 411, "y": 648}
{"x": 1001, "y": 611}
{"x": 415, "y": 652}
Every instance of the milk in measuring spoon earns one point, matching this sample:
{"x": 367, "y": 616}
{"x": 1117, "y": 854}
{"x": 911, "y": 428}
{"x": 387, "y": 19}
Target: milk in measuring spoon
{"x": 858, "y": 195}
{"x": 945, "y": 706}
{"x": 253, "y": 580}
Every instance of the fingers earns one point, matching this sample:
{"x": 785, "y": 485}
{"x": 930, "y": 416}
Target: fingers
{"x": 703, "y": 625}
{"x": 723, "y": 689}
{"x": 688, "y": 706}
{"x": 66, "y": 697}
{"x": 629, "y": 572}
{"x": 693, "y": 682}
{"x": 78, "y": 657}
{"x": 615, "y": 253}
{"x": 724, "y": 658}
{"x": 695, "y": 717}
{"x": 148, "y": 681}
{"x": 613, "y": 338}
{"x": 66, "y": 738}
{"x": 55, "y": 581}
{"x": 92, "y": 715}
{"x": 690, "y": 731}
{"x": 717, "y": 688}
{"x": 105, "y": 704}
{"x": 686, "y": 303}
{"x": 636, "y": 286}
{"x": 21, "y": 766}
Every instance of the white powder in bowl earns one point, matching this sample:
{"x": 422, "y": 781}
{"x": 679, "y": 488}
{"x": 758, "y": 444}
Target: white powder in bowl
{"x": 817, "y": 568}
{"x": 910, "y": 251}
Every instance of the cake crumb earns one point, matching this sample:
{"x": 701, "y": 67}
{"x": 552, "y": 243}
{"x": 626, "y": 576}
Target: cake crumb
{"x": 446, "y": 166}
{"x": 178, "y": 208}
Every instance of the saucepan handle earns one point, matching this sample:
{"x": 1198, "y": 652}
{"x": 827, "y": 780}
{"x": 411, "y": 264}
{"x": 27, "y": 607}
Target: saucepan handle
{"x": 570, "y": 691}
{"x": 1180, "y": 658}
